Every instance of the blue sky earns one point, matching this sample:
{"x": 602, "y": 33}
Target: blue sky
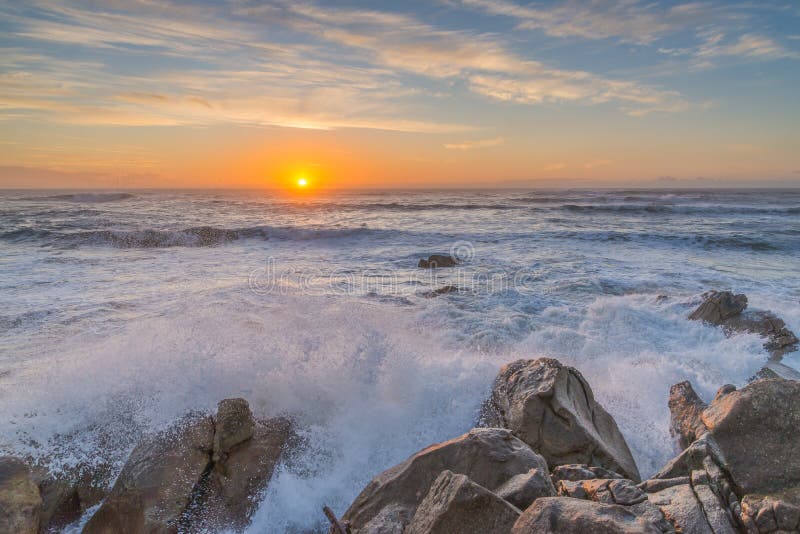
{"x": 120, "y": 85}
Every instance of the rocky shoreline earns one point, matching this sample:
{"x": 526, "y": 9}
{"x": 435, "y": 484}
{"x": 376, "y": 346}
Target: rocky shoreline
{"x": 545, "y": 456}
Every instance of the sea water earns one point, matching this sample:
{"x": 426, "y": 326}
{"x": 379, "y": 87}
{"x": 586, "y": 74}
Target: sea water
{"x": 121, "y": 311}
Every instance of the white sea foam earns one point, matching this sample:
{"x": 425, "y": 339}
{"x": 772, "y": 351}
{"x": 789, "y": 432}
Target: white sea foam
{"x": 99, "y": 345}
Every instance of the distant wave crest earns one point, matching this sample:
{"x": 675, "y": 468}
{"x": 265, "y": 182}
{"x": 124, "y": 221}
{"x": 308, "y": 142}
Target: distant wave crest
{"x": 89, "y": 197}
{"x": 200, "y": 236}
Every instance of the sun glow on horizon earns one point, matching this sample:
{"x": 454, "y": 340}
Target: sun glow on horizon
{"x": 302, "y": 182}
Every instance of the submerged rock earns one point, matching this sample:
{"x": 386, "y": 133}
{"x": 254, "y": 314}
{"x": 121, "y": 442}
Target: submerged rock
{"x": 566, "y": 515}
{"x": 20, "y": 500}
{"x": 444, "y": 290}
{"x": 551, "y": 407}
{"x": 436, "y": 261}
{"x": 455, "y": 504}
{"x": 489, "y": 457}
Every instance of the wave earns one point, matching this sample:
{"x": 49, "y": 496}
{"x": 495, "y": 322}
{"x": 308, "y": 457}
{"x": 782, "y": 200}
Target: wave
{"x": 200, "y": 236}
{"x": 677, "y": 209}
{"x": 87, "y": 197}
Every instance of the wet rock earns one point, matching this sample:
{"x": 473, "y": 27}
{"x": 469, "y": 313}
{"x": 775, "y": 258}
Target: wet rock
{"x": 551, "y": 407}
{"x": 61, "y": 504}
{"x": 723, "y": 308}
{"x": 158, "y": 481}
{"x": 566, "y": 515}
{"x": 521, "y": 490}
{"x": 454, "y": 504}
{"x": 20, "y": 500}
{"x": 685, "y": 408}
{"x": 490, "y": 457}
{"x": 718, "y": 306}
{"x": 234, "y": 424}
{"x": 436, "y": 261}
{"x": 444, "y": 290}
{"x": 229, "y": 494}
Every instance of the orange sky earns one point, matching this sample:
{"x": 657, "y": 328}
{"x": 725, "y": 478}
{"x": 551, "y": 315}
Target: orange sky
{"x": 462, "y": 94}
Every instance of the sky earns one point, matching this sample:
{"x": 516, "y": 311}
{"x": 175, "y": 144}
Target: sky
{"x": 444, "y": 93}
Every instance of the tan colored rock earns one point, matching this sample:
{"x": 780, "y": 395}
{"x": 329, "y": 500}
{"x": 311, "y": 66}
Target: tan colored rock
{"x": 20, "y": 501}
{"x": 565, "y": 515}
{"x": 577, "y": 472}
{"x": 521, "y": 490}
{"x": 488, "y": 456}
{"x": 228, "y": 496}
{"x": 685, "y": 408}
{"x": 234, "y": 424}
{"x": 756, "y": 430}
{"x": 157, "y": 482}
{"x": 551, "y": 407}
{"x": 456, "y": 505}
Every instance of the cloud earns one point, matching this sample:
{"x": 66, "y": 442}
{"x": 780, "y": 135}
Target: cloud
{"x": 748, "y": 46}
{"x": 597, "y": 163}
{"x": 297, "y": 65}
{"x": 469, "y": 145}
{"x": 555, "y": 166}
{"x": 628, "y": 21}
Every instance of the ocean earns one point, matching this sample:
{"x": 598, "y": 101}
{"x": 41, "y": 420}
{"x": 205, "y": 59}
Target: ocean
{"x": 122, "y": 311}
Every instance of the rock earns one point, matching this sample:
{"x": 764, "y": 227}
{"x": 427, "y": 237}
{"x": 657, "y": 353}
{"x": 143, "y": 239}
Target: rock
{"x": 551, "y": 407}
{"x": 682, "y": 509}
{"x": 20, "y": 500}
{"x": 565, "y": 515}
{"x": 157, "y": 482}
{"x": 233, "y": 425}
{"x": 756, "y": 430}
{"x": 685, "y": 408}
{"x": 770, "y": 513}
{"x": 61, "y": 504}
{"x": 456, "y": 505}
{"x": 437, "y": 260}
{"x": 717, "y": 306}
{"x": 229, "y": 494}
{"x": 576, "y": 472}
{"x": 444, "y": 290}
{"x": 723, "y": 308}
{"x": 490, "y": 457}
{"x": 521, "y": 490}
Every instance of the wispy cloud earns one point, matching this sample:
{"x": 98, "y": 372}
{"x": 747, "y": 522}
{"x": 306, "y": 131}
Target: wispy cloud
{"x": 481, "y": 143}
{"x": 597, "y": 163}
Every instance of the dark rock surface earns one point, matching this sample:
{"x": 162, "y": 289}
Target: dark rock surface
{"x": 437, "y": 261}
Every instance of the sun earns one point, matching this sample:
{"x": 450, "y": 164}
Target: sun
{"x": 302, "y": 182}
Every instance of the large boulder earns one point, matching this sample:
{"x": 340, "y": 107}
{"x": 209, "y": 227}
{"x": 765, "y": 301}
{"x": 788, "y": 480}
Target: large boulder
{"x": 551, "y": 407}
{"x": 566, "y": 515}
{"x": 157, "y": 482}
{"x": 205, "y": 474}
{"x": 490, "y": 457}
{"x": 745, "y": 447}
{"x": 757, "y": 429}
{"x": 20, "y": 500}
{"x": 723, "y": 308}
{"x": 456, "y": 505}
{"x": 229, "y": 494}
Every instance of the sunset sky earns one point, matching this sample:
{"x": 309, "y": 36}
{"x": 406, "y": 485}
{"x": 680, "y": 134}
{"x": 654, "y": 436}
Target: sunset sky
{"x": 447, "y": 93}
